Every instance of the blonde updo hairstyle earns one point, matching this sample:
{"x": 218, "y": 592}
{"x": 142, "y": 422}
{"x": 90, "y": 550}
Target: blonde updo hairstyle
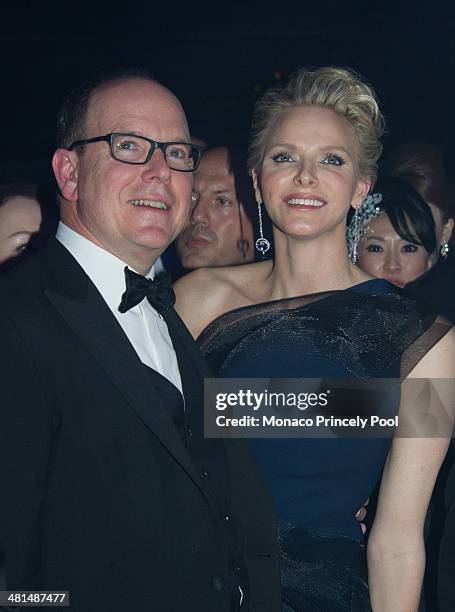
{"x": 338, "y": 89}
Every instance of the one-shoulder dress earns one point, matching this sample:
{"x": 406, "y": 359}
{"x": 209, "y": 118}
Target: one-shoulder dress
{"x": 369, "y": 331}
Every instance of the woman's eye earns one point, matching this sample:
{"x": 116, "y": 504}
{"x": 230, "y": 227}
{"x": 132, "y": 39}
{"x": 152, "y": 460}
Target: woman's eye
{"x": 374, "y": 248}
{"x": 21, "y": 247}
{"x": 332, "y": 159}
{"x": 282, "y": 157}
{"x": 410, "y": 248}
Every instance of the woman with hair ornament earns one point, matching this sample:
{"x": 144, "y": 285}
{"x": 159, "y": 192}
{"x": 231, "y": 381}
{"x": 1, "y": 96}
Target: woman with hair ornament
{"x": 392, "y": 235}
{"x": 312, "y": 313}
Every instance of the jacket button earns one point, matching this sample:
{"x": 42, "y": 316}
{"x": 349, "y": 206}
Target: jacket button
{"x": 217, "y": 583}
{"x": 205, "y": 473}
{"x": 227, "y": 518}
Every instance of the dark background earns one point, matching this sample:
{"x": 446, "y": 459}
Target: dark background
{"x": 217, "y": 58}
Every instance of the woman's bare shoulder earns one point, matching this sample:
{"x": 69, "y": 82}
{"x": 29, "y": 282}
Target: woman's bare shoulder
{"x": 207, "y": 293}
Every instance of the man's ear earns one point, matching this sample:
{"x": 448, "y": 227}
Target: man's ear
{"x": 361, "y": 191}
{"x": 257, "y": 188}
{"x": 66, "y": 170}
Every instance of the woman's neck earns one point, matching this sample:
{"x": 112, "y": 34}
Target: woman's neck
{"x": 311, "y": 265}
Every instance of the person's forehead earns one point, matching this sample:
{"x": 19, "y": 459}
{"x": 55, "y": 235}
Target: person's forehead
{"x": 20, "y": 203}
{"x": 137, "y": 105}
{"x": 314, "y": 124}
{"x": 381, "y": 226}
{"x": 214, "y": 169}
{"x": 216, "y": 183}
{"x": 20, "y": 212}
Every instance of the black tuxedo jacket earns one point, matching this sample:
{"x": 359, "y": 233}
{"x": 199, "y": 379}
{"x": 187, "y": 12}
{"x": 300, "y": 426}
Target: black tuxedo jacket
{"x": 100, "y": 495}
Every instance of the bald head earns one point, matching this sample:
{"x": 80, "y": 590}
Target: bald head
{"x": 73, "y": 114}
{"x": 135, "y": 99}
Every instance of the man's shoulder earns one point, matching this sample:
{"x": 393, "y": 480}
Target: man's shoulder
{"x": 23, "y": 275}
{"x": 25, "y": 283}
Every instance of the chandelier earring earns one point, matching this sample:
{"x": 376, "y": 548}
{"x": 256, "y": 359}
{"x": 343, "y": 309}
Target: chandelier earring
{"x": 261, "y": 244}
{"x": 444, "y": 250}
{"x": 356, "y": 240}
{"x": 369, "y": 209}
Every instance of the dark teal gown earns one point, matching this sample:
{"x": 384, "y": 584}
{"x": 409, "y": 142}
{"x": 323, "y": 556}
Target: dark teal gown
{"x": 366, "y": 332}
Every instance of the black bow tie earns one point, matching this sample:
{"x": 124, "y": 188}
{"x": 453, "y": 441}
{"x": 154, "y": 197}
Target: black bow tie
{"x": 158, "y": 291}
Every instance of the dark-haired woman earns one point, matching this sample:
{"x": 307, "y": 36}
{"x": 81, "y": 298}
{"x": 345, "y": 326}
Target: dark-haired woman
{"x": 393, "y": 236}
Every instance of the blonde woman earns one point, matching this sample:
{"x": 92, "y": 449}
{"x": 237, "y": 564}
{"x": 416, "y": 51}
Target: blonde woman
{"x": 311, "y": 313}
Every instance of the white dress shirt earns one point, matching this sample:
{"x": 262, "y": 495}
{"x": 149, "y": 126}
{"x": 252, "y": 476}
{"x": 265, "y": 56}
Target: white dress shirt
{"x": 144, "y": 327}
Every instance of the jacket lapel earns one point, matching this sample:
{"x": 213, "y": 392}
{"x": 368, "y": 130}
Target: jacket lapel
{"x": 190, "y": 345}
{"x": 193, "y": 368}
{"x": 81, "y": 305}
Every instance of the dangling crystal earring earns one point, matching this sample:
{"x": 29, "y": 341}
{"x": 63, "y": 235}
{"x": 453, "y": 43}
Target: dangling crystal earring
{"x": 356, "y": 237}
{"x": 444, "y": 250}
{"x": 261, "y": 244}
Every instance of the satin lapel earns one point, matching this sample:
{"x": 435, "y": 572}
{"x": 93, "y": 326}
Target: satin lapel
{"x": 189, "y": 344}
{"x": 87, "y": 314}
{"x": 190, "y": 372}
{"x": 193, "y": 368}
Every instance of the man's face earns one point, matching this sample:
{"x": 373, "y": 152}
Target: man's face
{"x": 218, "y": 221}
{"x": 133, "y": 211}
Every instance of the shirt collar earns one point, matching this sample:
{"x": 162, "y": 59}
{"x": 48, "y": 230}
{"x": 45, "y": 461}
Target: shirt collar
{"x": 105, "y": 270}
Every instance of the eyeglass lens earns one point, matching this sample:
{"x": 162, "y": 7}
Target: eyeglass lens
{"x": 134, "y": 150}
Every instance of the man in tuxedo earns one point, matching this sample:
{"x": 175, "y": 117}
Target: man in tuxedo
{"x": 110, "y": 490}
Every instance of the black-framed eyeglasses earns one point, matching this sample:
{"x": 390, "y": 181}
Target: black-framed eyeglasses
{"x": 132, "y": 149}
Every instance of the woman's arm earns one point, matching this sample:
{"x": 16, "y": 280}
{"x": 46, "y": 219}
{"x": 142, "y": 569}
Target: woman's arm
{"x": 396, "y": 553}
